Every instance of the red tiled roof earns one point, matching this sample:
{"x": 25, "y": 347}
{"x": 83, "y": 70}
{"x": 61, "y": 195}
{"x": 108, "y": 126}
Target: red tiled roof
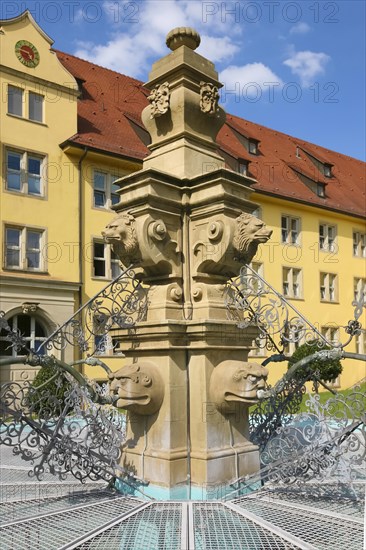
{"x": 111, "y": 100}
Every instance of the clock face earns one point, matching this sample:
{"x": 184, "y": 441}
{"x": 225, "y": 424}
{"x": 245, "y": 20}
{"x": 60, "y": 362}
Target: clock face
{"x": 27, "y": 53}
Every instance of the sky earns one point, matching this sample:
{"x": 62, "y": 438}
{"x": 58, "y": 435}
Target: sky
{"x": 295, "y": 66}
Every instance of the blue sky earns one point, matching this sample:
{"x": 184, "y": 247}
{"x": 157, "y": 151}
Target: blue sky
{"x": 297, "y": 67}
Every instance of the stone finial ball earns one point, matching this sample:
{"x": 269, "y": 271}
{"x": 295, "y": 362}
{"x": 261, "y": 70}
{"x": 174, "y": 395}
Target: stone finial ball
{"x": 183, "y": 36}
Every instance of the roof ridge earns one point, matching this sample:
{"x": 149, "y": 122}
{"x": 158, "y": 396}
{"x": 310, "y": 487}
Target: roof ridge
{"x": 295, "y": 138}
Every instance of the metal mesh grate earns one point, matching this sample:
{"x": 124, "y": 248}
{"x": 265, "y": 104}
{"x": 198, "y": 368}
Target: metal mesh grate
{"x": 322, "y": 531}
{"x": 14, "y": 492}
{"x": 53, "y": 531}
{"x": 21, "y": 510}
{"x": 157, "y": 527}
{"x": 346, "y": 502}
{"x": 217, "y": 528}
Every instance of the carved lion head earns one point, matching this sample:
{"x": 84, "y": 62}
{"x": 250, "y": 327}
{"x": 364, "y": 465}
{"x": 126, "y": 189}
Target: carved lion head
{"x": 236, "y": 382}
{"x": 138, "y": 387}
{"x": 250, "y": 232}
{"x": 121, "y": 234}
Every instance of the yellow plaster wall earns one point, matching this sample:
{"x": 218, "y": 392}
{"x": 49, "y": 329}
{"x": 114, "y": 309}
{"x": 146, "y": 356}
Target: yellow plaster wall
{"x": 313, "y": 261}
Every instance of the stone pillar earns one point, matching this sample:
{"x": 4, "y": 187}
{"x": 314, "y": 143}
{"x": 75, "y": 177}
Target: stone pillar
{"x": 184, "y": 220}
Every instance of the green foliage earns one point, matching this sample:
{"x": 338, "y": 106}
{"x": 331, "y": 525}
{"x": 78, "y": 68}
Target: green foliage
{"x": 328, "y": 369}
{"x": 50, "y": 397}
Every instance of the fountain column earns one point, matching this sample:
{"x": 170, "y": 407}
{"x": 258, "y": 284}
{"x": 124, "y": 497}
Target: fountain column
{"x": 184, "y": 221}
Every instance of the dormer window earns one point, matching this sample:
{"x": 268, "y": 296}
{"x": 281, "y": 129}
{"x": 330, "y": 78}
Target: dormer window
{"x": 253, "y": 147}
{"x": 327, "y": 170}
{"x": 243, "y": 167}
{"x": 320, "y": 190}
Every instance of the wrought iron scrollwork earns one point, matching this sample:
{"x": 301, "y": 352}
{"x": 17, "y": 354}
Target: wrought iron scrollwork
{"x": 120, "y": 304}
{"x": 60, "y": 429}
{"x": 251, "y": 301}
{"x": 327, "y": 442}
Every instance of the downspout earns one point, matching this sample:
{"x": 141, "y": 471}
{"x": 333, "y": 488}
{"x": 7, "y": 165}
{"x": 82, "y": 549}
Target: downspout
{"x": 81, "y": 224}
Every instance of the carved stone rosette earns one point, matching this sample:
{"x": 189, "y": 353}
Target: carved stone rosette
{"x": 209, "y": 98}
{"x": 159, "y": 99}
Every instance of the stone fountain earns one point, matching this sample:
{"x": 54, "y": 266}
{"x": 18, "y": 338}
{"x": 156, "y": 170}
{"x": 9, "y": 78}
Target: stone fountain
{"x": 184, "y": 221}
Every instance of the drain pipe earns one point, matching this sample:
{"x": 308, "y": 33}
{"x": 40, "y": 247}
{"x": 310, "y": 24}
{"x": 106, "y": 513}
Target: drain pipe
{"x": 81, "y": 222}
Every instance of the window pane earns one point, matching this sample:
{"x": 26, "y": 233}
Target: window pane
{"x": 13, "y": 171}
{"x": 35, "y": 107}
{"x": 33, "y": 259}
{"x": 15, "y": 101}
{"x": 116, "y": 270}
{"x": 114, "y": 196}
{"x": 39, "y": 330}
{"x": 13, "y": 237}
{"x": 99, "y": 198}
{"x": 24, "y": 324}
{"x": 14, "y": 181}
{"x": 12, "y": 258}
{"x": 34, "y": 185}
{"x": 14, "y": 161}
{"x": 33, "y": 239}
{"x": 34, "y": 166}
{"x": 98, "y": 250}
{"x": 99, "y": 181}
{"x": 99, "y": 268}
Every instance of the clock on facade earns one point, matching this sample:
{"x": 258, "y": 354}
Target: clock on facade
{"x": 27, "y": 53}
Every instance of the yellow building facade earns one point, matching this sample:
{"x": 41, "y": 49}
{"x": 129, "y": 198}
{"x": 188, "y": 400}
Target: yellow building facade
{"x": 57, "y": 194}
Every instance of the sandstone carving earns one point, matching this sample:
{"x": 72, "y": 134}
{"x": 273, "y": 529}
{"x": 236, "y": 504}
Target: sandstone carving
{"x": 209, "y": 98}
{"x": 121, "y": 234}
{"x": 159, "y": 99}
{"x": 236, "y": 382}
{"x": 249, "y": 233}
{"x": 139, "y": 388}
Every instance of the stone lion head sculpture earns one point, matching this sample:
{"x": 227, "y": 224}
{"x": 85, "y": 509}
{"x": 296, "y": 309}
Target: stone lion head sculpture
{"x": 138, "y": 388}
{"x": 236, "y": 382}
{"x": 249, "y": 233}
{"x": 121, "y": 234}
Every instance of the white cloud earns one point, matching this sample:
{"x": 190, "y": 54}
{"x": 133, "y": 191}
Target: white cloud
{"x": 133, "y": 46}
{"x": 247, "y": 79}
{"x": 217, "y": 49}
{"x": 300, "y": 28}
{"x": 307, "y": 65}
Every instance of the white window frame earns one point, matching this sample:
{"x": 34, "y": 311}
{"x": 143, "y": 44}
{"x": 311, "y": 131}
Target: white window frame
{"x": 290, "y": 230}
{"x": 258, "y": 351}
{"x": 31, "y": 338}
{"x": 23, "y": 250}
{"x": 25, "y": 156}
{"x": 328, "y": 237}
{"x": 331, "y": 334}
{"x": 21, "y": 115}
{"x": 34, "y": 94}
{"x": 291, "y": 347}
{"x": 359, "y": 288}
{"x": 292, "y": 282}
{"x": 328, "y": 287}
{"x": 109, "y": 259}
{"x": 359, "y": 244}
{"x": 108, "y": 189}
{"x": 361, "y": 342}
